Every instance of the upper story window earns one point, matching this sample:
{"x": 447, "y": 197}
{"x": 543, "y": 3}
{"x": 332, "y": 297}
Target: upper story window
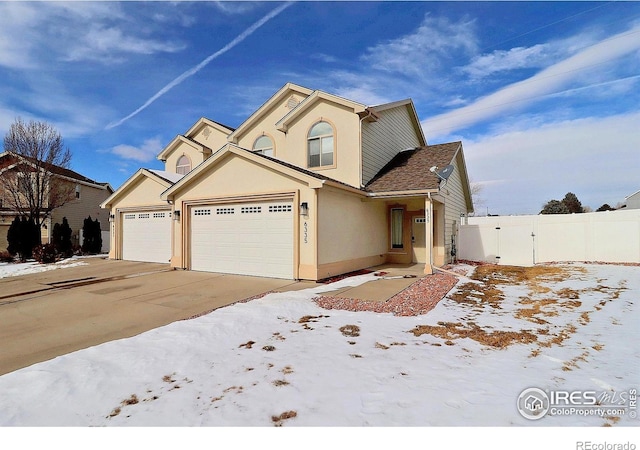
{"x": 183, "y": 166}
{"x": 77, "y": 191}
{"x": 320, "y": 145}
{"x": 263, "y": 145}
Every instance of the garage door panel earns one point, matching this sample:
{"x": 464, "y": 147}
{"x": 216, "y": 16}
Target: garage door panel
{"x": 146, "y": 236}
{"x": 248, "y": 238}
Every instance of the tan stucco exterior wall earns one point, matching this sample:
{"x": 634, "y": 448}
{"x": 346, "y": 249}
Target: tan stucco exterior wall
{"x": 184, "y": 148}
{"x": 210, "y": 137}
{"x": 292, "y": 146}
{"x": 352, "y": 232}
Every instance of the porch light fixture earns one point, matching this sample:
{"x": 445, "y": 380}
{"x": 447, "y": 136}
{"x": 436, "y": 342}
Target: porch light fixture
{"x": 176, "y": 215}
{"x": 112, "y": 217}
{"x": 304, "y": 209}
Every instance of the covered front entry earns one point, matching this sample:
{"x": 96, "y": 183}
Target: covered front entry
{"x": 146, "y": 236}
{"x": 243, "y": 238}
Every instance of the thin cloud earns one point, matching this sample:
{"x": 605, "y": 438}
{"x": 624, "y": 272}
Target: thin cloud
{"x": 241, "y": 37}
{"x": 541, "y": 84}
{"x": 144, "y": 153}
{"x": 419, "y": 53}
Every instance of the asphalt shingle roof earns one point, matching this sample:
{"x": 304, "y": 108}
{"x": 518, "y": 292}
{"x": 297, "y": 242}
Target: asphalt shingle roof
{"x": 409, "y": 170}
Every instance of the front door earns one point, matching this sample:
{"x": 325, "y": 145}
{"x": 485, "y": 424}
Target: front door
{"x": 419, "y": 239}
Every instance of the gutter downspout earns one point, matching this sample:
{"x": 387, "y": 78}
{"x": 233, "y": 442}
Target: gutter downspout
{"x": 369, "y": 114}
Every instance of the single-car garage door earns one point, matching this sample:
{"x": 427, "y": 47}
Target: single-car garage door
{"x": 146, "y": 236}
{"x": 245, "y": 238}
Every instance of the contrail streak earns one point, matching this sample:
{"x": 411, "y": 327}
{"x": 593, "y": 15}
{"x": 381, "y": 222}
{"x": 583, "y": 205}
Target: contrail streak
{"x": 241, "y": 37}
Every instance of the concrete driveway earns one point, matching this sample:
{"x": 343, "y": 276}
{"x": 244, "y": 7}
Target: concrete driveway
{"x": 57, "y": 312}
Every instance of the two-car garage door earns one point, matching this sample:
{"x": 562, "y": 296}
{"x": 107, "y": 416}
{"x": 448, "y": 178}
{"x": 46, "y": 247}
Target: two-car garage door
{"x": 243, "y": 238}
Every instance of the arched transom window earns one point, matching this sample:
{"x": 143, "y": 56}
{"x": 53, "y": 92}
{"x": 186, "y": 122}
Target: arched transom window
{"x": 263, "y": 145}
{"x": 320, "y": 145}
{"x": 183, "y": 166}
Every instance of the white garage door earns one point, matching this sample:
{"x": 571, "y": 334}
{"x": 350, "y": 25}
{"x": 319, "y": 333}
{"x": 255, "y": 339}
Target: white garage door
{"x": 146, "y": 236}
{"x": 245, "y": 238}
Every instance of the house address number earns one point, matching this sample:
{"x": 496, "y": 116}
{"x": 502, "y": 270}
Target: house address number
{"x": 306, "y": 235}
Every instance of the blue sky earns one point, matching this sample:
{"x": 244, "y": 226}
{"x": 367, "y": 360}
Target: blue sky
{"x": 544, "y": 95}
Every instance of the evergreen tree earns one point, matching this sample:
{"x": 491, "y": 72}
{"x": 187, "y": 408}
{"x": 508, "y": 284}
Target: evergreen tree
{"x": 572, "y": 203}
{"x": 92, "y": 236}
{"x": 555, "y": 207}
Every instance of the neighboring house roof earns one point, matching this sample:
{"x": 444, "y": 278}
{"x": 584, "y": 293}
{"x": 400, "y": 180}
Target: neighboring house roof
{"x": 9, "y": 158}
{"x": 409, "y": 169}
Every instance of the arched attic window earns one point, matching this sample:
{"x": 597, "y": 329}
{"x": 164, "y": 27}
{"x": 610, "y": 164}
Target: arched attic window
{"x": 183, "y": 166}
{"x": 320, "y": 145}
{"x": 263, "y": 145}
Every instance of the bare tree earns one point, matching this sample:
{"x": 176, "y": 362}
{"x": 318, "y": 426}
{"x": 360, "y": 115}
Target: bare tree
{"x": 31, "y": 175}
{"x": 476, "y": 191}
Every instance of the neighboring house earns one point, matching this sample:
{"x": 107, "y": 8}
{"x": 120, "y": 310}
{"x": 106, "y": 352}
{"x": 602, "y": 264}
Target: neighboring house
{"x": 632, "y": 201}
{"x": 85, "y": 198}
{"x": 311, "y": 185}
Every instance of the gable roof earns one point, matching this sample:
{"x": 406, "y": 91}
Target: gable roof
{"x": 413, "y": 115}
{"x": 409, "y": 169}
{"x": 8, "y": 159}
{"x": 180, "y": 139}
{"x": 311, "y": 100}
{"x": 165, "y": 179}
{"x": 287, "y": 90}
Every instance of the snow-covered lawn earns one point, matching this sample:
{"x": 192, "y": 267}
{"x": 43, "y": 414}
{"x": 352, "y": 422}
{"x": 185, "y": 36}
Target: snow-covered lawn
{"x": 283, "y": 361}
{"x": 17, "y": 269}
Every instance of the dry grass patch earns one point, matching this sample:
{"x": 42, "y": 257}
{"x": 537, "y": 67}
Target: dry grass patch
{"x": 268, "y": 348}
{"x": 278, "y": 420}
{"x": 382, "y": 346}
{"x": 280, "y": 383}
{"x": 497, "y": 339}
{"x": 350, "y": 330}
{"x": 248, "y": 344}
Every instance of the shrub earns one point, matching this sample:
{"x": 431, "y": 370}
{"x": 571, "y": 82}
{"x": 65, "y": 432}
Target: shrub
{"x": 45, "y": 253}
{"x": 92, "y": 236}
{"x": 23, "y": 235}
{"x": 61, "y": 238}
{"x": 6, "y": 257}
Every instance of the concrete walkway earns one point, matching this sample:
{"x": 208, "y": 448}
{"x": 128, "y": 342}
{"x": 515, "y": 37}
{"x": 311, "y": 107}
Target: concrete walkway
{"x": 394, "y": 278}
{"x": 53, "y": 313}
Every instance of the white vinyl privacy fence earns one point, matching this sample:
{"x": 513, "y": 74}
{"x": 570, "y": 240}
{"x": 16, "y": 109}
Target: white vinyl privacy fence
{"x": 608, "y": 236}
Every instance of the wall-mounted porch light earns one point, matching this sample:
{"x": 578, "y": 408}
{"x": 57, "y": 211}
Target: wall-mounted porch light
{"x": 304, "y": 209}
{"x": 112, "y": 217}
{"x": 176, "y": 215}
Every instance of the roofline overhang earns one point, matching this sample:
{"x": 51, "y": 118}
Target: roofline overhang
{"x": 312, "y": 182}
{"x": 410, "y": 193}
{"x": 204, "y": 121}
{"x": 234, "y": 137}
{"x": 283, "y": 124}
{"x": 179, "y": 139}
{"x": 139, "y": 173}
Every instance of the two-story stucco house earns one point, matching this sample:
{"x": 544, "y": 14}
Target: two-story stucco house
{"x": 311, "y": 185}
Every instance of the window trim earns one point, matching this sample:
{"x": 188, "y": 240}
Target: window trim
{"x": 335, "y": 146}
{"x": 260, "y": 151}
{"x": 178, "y": 165}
